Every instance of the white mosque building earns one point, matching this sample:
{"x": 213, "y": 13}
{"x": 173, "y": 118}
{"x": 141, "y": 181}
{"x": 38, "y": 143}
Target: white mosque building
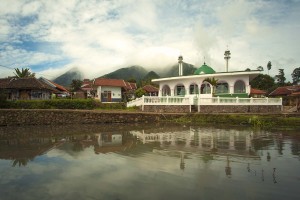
{"x": 207, "y": 91}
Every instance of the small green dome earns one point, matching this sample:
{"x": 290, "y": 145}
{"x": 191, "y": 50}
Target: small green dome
{"x": 204, "y": 69}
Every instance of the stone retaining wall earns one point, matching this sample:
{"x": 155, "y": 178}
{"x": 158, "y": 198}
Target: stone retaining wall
{"x": 240, "y": 109}
{"x": 45, "y": 117}
{"x": 167, "y": 108}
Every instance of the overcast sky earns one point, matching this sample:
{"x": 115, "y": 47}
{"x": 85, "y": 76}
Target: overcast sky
{"x": 100, "y": 36}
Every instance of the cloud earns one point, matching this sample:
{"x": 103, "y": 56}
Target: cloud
{"x": 102, "y": 36}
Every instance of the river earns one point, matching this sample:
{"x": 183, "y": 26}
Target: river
{"x": 160, "y": 161}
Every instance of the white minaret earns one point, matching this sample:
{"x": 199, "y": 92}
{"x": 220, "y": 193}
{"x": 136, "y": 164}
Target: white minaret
{"x": 180, "y": 71}
{"x": 227, "y": 57}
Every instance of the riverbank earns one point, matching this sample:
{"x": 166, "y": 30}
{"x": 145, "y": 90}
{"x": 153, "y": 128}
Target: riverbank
{"x": 23, "y": 117}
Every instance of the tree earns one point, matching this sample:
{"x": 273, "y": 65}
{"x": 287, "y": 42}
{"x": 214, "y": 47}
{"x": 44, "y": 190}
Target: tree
{"x": 269, "y": 66}
{"x": 263, "y": 82}
{"x": 76, "y": 84}
{"x": 248, "y": 69}
{"x": 280, "y": 78}
{"x": 260, "y": 68}
{"x": 23, "y": 73}
{"x": 296, "y": 76}
{"x": 140, "y": 92}
{"x": 213, "y": 83}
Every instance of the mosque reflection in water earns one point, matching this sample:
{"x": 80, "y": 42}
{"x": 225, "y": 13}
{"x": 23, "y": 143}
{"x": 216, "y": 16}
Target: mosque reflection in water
{"x": 208, "y": 143}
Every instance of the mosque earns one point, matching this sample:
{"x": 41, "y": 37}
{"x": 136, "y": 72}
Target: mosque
{"x": 209, "y": 91}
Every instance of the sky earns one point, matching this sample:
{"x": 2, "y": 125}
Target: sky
{"x": 100, "y": 36}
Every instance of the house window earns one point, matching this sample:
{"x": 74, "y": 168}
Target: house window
{"x": 239, "y": 87}
{"x": 194, "y": 89}
{"x": 105, "y": 94}
{"x": 180, "y": 90}
{"x": 205, "y": 88}
{"x": 222, "y": 87}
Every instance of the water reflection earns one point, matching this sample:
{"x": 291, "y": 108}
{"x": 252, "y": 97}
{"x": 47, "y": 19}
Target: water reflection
{"x": 187, "y": 161}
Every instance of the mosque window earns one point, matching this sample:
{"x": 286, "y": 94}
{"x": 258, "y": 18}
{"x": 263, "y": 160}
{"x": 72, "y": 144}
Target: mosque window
{"x": 239, "y": 87}
{"x": 194, "y": 89}
{"x": 166, "y": 91}
{"x": 205, "y": 88}
{"x": 222, "y": 87}
{"x": 180, "y": 90}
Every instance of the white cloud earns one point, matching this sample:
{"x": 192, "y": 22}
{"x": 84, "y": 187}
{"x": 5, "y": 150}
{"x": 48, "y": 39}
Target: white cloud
{"x": 101, "y": 36}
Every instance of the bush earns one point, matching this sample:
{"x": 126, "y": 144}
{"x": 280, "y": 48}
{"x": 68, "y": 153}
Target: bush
{"x": 86, "y": 104}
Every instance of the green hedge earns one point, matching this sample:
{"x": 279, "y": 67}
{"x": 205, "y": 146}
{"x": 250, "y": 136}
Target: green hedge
{"x": 60, "y": 104}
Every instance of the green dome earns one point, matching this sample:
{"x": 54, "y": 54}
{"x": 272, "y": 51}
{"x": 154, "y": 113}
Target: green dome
{"x": 204, "y": 69}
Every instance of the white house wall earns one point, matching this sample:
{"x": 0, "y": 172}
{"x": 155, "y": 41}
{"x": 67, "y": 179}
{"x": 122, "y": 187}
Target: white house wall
{"x": 230, "y": 79}
{"x": 116, "y": 92}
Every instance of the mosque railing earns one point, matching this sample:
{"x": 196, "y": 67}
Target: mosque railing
{"x": 165, "y": 100}
{"x": 171, "y": 100}
{"x": 239, "y": 101}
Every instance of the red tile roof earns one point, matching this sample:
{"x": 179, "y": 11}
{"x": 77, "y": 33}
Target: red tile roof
{"x": 28, "y": 83}
{"x": 133, "y": 86}
{"x": 284, "y": 91}
{"x": 59, "y": 87}
{"x": 4, "y": 82}
{"x": 150, "y": 88}
{"x": 110, "y": 82}
{"x": 257, "y": 91}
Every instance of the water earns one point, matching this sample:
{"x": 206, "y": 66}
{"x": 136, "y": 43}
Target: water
{"x": 148, "y": 162}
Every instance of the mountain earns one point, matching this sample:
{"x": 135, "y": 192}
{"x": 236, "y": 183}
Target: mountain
{"x": 133, "y": 72}
{"x": 66, "y": 78}
{"x": 151, "y": 75}
{"x": 172, "y": 71}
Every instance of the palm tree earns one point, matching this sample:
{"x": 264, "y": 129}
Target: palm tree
{"x": 23, "y": 73}
{"x": 260, "y": 68}
{"x": 213, "y": 83}
{"x": 269, "y": 65}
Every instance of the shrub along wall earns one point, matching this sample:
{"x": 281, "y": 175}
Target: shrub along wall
{"x": 86, "y": 104}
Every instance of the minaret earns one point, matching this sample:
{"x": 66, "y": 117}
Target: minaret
{"x": 227, "y": 57}
{"x": 180, "y": 71}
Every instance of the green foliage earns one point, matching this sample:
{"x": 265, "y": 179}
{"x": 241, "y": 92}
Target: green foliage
{"x": 248, "y": 69}
{"x": 296, "y": 75}
{"x": 280, "y": 78}
{"x": 111, "y": 106}
{"x": 3, "y": 97}
{"x": 23, "y": 73}
{"x": 263, "y": 82}
{"x": 269, "y": 66}
{"x": 260, "y": 68}
{"x": 140, "y": 92}
{"x": 53, "y": 104}
{"x": 76, "y": 84}
{"x": 255, "y": 121}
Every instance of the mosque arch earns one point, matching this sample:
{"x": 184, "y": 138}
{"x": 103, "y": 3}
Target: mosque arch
{"x": 194, "y": 89}
{"x": 239, "y": 87}
{"x": 222, "y": 87}
{"x": 205, "y": 88}
{"x": 166, "y": 91}
{"x": 179, "y": 90}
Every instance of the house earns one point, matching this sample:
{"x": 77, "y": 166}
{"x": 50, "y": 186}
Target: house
{"x": 60, "y": 91}
{"x": 110, "y": 90}
{"x": 87, "y": 87}
{"x": 151, "y": 90}
{"x": 288, "y": 93}
{"x": 130, "y": 90}
{"x": 28, "y": 88}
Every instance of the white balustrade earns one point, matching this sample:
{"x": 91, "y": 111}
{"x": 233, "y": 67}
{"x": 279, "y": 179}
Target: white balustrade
{"x": 173, "y": 100}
